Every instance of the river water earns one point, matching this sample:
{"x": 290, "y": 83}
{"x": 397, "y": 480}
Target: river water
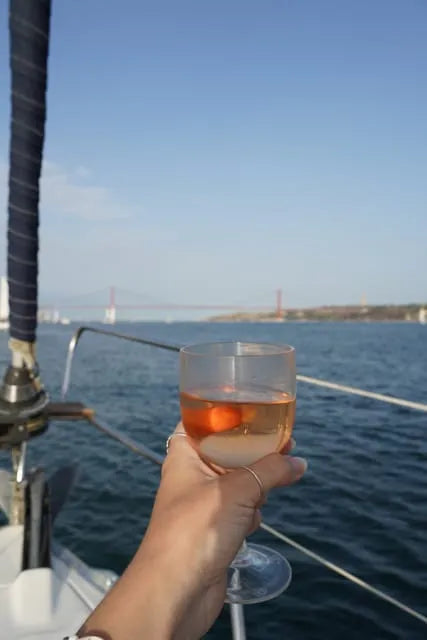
{"x": 362, "y": 504}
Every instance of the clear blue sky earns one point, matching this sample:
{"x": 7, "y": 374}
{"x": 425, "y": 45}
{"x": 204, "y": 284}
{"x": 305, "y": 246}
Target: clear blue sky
{"x": 214, "y": 151}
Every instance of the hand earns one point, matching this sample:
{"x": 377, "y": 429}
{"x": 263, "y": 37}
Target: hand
{"x": 198, "y": 524}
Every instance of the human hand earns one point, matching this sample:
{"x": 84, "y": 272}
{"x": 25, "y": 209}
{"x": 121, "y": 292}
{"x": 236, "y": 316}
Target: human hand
{"x": 175, "y": 586}
{"x": 203, "y": 518}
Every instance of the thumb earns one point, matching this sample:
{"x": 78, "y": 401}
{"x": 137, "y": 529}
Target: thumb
{"x": 274, "y": 470}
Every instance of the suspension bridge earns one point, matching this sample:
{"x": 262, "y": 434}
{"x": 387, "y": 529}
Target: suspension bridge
{"x": 117, "y": 303}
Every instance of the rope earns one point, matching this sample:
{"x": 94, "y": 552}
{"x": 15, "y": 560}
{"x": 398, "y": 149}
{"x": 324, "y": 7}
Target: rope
{"x": 418, "y": 406}
{"x": 25, "y": 351}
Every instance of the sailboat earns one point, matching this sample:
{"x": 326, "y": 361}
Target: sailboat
{"x": 46, "y": 592}
{"x": 4, "y": 304}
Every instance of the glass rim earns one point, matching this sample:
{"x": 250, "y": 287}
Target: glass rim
{"x": 281, "y": 349}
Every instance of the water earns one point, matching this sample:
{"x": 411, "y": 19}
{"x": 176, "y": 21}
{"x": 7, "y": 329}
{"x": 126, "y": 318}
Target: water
{"x": 362, "y": 503}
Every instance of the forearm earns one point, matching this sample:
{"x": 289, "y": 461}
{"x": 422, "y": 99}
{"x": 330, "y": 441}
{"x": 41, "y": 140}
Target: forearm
{"x": 146, "y": 603}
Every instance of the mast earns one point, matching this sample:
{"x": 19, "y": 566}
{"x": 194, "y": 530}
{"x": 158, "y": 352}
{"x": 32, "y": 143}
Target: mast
{"x": 22, "y": 398}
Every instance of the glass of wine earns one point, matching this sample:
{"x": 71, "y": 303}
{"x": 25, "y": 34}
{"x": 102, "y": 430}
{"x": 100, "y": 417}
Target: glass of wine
{"x": 238, "y": 405}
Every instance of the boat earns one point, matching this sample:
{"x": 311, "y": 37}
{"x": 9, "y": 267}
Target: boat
{"x": 422, "y": 316}
{"x": 46, "y": 592}
{"x": 4, "y": 304}
{"x": 42, "y": 594}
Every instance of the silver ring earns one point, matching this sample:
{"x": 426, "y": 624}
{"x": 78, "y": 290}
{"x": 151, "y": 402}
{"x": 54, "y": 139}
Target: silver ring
{"x": 172, "y": 435}
{"x": 259, "y": 482}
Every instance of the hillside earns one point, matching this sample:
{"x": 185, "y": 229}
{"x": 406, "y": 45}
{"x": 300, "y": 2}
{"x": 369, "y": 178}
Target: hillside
{"x": 344, "y": 313}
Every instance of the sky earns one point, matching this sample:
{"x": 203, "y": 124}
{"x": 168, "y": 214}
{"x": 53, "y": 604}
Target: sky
{"x": 212, "y": 152}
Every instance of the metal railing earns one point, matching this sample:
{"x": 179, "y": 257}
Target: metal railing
{"x": 236, "y": 611}
{"x": 417, "y": 406}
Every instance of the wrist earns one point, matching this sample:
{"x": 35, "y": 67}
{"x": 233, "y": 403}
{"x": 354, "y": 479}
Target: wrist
{"x": 150, "y": 606}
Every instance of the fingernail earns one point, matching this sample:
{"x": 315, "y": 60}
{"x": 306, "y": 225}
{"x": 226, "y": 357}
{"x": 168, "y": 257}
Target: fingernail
{"x": 299, "y": 465}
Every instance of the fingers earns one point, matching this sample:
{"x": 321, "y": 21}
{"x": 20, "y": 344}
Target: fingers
{"x": 178, "y": 448}
{"x": 175, "y": 434}
{"x": 178, "y": 439}
{"x": 179, "y": 428}
{"x": 181, "y": 455}
{"x": 274, "y": 470}
{"x": 291, "y": 444}
{"x": 180, "y": 432}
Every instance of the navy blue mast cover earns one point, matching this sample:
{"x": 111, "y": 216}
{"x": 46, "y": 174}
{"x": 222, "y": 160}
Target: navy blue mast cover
{"x": 29, "y": 22}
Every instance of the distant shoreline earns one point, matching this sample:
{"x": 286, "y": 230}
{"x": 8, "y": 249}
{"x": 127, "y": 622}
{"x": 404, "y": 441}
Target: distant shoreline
{"x": 376, "y": 313}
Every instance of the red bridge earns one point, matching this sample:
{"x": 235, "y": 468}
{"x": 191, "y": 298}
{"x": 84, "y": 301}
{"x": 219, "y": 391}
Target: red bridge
{"x": 111, "y": 307}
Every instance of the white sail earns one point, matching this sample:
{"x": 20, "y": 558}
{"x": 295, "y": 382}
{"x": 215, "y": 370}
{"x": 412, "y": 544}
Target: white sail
{"x": 422, "y": 316}
{"x": 4, "y": 303}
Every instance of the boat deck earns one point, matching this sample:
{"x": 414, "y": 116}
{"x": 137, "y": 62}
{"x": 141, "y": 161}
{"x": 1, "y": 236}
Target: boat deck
{"x": 47, "y": 603}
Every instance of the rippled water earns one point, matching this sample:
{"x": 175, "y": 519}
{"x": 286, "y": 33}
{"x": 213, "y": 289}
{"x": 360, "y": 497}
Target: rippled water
{"x": 363, "y": 502}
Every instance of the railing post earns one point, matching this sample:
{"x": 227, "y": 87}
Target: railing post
{"x": 237, "y": 622}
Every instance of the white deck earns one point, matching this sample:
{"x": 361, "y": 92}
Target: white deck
{"x": 45, "y": 604}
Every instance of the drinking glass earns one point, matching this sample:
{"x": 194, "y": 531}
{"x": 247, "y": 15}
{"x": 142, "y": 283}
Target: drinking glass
{"x": 238, "y": 405}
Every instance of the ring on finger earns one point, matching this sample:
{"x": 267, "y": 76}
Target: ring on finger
{"x": 173, "y": 435}
{"x": 258, "y": 481}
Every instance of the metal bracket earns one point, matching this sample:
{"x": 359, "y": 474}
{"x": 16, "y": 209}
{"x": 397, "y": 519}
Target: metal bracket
{"x": 72, "y": 347}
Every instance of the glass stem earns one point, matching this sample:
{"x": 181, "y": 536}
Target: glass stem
{"x": 242, "y": 558}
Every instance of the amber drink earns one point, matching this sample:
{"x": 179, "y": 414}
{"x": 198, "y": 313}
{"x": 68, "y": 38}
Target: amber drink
{"x": 233, "y": 428}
